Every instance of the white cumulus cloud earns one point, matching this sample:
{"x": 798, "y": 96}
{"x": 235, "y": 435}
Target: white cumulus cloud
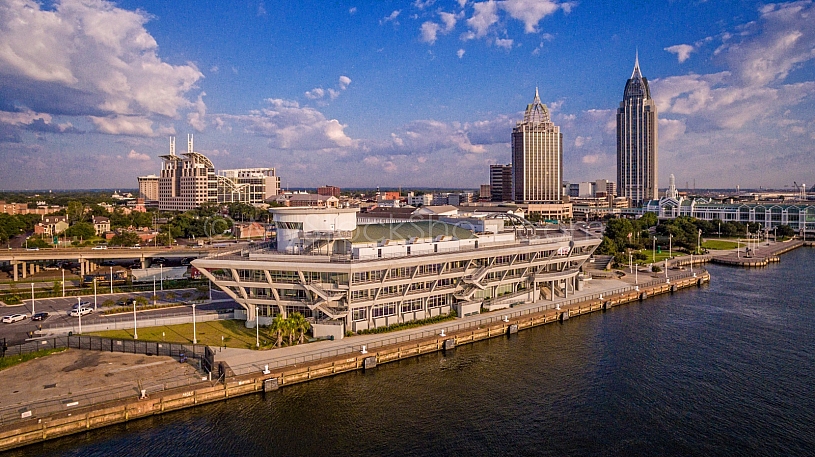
{"x": 89, "y": 58}
{"x": 682, "y": 51}
{"x": 133, "y": 155}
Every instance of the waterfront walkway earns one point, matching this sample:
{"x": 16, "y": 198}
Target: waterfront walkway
{"x": 244, "y": 361}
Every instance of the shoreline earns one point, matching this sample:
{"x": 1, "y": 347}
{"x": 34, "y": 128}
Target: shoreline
{"x": 38, "y": 429}
{"x": 252, "y": 377}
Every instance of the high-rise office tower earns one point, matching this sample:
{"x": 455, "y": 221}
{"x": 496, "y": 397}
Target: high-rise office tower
{"x": 501, "y": 183}
{"x": 637, "y": 141}
{"x": 537, "y": 156}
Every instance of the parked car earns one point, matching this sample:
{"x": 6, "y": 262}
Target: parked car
{"x": 14, "y": 318}
{"x": 108, "y": 263}
{"x": 51, "y": 267}
{"x": 32, "y": 249}
{"x": 101, "y": 246}
{"x": 81, "y": 311}
{"x": 39, "y": 317}
{"x": 83, "y": 304}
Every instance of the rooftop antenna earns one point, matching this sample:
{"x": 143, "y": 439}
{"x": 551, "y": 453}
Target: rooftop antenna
{"x": 189, "y": 143}
{"x": 172, "y": 145}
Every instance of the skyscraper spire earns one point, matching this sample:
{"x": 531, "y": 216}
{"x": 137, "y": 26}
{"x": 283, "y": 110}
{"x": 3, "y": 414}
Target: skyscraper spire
{"x": 636, "y": 73}
{"x": 536, "y": 112}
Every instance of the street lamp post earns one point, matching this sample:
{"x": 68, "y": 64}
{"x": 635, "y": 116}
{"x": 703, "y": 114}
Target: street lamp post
{"x": 257, "y": 327}
{"x": 94, "y": 293}
{"x": 154, "y": 290}
{"x": 654, "y": 259}
{"x": 670, "y": 245}
{"x": 194, "y": 334}
{"x": 32, "y": 298}
{"x": 79, "y": 313}
{"x": 111, "y": 280}
{"x": 161, "y": 271}
{"x": 135, "y": 329}
{"x": 720, "y": 229}
{"x": 210, "y": 290}
{"x": 63, "y": 282}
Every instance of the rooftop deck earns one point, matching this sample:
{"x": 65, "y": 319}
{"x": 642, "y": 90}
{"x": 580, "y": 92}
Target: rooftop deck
{"x": 267, "y": 252}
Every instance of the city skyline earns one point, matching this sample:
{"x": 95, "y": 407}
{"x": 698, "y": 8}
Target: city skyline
{"x": 399, "y": 93}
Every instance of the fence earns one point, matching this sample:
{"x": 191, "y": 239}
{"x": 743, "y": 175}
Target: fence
{"x": 376, "y": 341}
{"x": 98, "y": 343}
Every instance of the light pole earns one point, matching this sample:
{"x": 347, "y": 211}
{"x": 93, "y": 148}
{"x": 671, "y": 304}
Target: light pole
{"x": 670, "y": 245}
{"x": 210, "y": 289}
{"x": 654, "y": 259}
{"x": 720, "y": 229}
{"x": 79, "y": 312}
{"x": 94, "y": 293}
{"x": 135, "y": 329}
{"x": 32, "y": 298}
{"x": 699, "y": 242}
{"x": 63, "y": 282}
{"x": 257, "y": 327}
{"x": 154, "y": 290}
{"x": 111, "y": 280}
{"x": 161, "y": 271}
{"x": 194, "y": 337}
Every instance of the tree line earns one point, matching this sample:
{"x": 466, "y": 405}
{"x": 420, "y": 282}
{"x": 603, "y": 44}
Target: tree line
{"x": 683, "y": 233}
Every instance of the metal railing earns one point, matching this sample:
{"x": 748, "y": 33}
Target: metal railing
{"x": 416, "y": 335}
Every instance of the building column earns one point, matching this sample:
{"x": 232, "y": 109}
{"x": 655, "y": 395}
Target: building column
{"x": 25, "y": 269}
{"x": 143, "y": 262}
{"x": 81, "y": 268}
{"x": 15, "y": 270}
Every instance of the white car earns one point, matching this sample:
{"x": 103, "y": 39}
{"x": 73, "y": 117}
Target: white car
{"x": 81, "y": 311}
{"x": 101, "y": 246}
{"x": 14, "y": 318}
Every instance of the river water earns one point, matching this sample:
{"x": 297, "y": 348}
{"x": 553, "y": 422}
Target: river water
{"x": 725, "y": 369}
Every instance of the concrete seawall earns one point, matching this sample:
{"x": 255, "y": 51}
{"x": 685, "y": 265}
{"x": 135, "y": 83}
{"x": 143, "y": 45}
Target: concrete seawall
{"x": 33, "y": 430}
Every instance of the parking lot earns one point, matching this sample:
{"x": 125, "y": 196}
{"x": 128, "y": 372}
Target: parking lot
{"x": 59, "y": 310}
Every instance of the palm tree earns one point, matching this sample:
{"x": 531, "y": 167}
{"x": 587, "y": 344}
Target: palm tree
{"x": 300, "y": 324}
{"x": 290, "y": 330}
{"x": 277, "y": 328}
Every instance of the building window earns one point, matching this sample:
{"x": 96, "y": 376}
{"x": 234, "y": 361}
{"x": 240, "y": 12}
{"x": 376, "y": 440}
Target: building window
{"x": 388, "y": 309}
{"x": 359, "y": 314}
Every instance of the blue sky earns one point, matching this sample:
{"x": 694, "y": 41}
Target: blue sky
{"x": 398, "y": 93}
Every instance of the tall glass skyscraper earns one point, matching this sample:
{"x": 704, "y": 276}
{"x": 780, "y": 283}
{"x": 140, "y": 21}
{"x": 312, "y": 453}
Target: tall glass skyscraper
{"x": 537, "y": 156}
{"x": 637, "y": 141}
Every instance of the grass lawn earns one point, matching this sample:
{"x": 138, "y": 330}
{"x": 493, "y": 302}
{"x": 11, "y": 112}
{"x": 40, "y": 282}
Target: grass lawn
{"x": 660, "y": 257}
{"x": 10, "y": 361}
{"x": 235, "y": 334}
{"x": 719, "y": 244}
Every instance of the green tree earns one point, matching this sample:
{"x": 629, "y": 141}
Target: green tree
{"x": 785, "y": 231}
{"x": 125, "y": 239}
{"x": 277, "y": 328}
{"x": 300, "y": 325}
{"x": 82, "y": 230}
{"x": 75, "y": 211}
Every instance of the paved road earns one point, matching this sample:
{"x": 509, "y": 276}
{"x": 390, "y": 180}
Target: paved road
{"x": 59, "y": 309}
